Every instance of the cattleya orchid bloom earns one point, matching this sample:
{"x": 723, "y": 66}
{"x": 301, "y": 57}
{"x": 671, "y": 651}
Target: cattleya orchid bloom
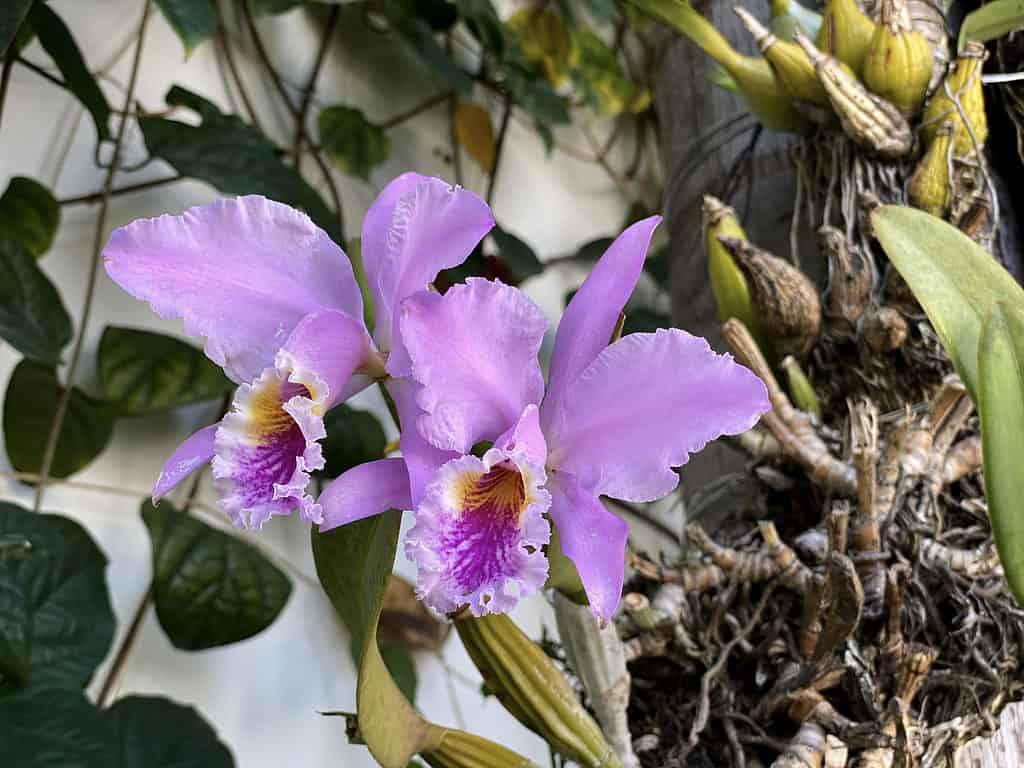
{"x": 282, "y": 314}
{"x": 614, "y": 420}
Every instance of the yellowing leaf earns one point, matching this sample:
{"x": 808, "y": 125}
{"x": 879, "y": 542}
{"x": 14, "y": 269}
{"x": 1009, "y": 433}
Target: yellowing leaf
{"x": 475, "y": 133}
{"x": 544, "y": 39}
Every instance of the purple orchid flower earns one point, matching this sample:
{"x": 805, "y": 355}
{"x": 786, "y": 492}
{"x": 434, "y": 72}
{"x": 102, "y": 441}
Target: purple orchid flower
{"x": 282, "y": 314}
{"x": 615, "y": 419}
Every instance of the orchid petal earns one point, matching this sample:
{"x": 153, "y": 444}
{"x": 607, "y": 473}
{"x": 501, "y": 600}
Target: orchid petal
{"x": 474, "y": 350}
{"x": 422, "y": 460}
{"x": 526, "y": 437}
{"x": 479, "y": 532}
{"x": 267, "y": 445}
{"x": 622, "y": 442}
{"x": 241, "y": 272}
{"x": 590, "y": 318}
{"x": 593, "y": 538}
{"x": 365, "y": 490}
{"x": 195, "y": 451}
{"x": 418, "y": 226}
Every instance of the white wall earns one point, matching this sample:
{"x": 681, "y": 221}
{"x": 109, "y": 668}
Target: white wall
{"x": 263, "y": 695}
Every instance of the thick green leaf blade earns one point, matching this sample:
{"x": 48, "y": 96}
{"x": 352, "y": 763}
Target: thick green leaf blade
{"x": 194, "y": 21}
{"x": 56, "y": 39}
{"x": 33, "y": 319}
{"x": 1001, "y": 369}
{"x": 12, "y": 14}
{"x": 29, "y": 214}
{"x": 353, "y": 437}
{"x": 29, "y": 405}
{"x": 519, "y": 257}
{"x": 56, "y": 623}
{"x": 210, "y": 588}
{"x": 353, "y": 563}
{"x": 233, "y": 157}
{"x": 354, "y": 144}
{"x": 153, "y": 732}
{"x": 955, "y": 279}
{"x": 421, "y": 37}
{"x": 144, "y": 372}
{"x": 534, "y": 94}
{"x": 990, "y": 21}
{"x": 54, "y": 729}
{"x": 484, "y": 24}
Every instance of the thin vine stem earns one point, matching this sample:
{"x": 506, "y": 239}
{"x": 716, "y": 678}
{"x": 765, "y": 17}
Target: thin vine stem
{"x": 101, "y": 222}
{"x": 307, "y": 92}
{"x": 415, "y": 110}
{"x": 97, "y": 197}
{"x": 499, "y": 145}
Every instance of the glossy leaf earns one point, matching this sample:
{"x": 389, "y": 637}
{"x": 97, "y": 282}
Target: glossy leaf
{"x": 353, "y": 437}
{"x": 210, "y": 588}
{"x": 29, "y": 406}
{"x": 516, "y": 255}
{"x": 955, "y": 279}
{"x": 483, "y": 22}
{"x": 231, "y": 156}
{"x": 56, "y": 623}
{"x": 354, "y": 563}
{"x": 154, "y": 732}
{"x": 535, "y": 95}
{"x": 29, "y": 215}
{"x": 63, "y": 729}
{"x": 56, "y": 39}
{"x": 354, "y": 144}
{"x": 473, "y": 130}
{"x": 55, "y": 729}
{"x": 33, "y": 319}
{"x": 591, "y": 251}
{"x": 1001, "y": 370}
{"x": 194, "y": 21}
{"x": 420, "y": 36}
{"x": 990, "y": 21}
{"x": 12, "y": 14}
{"x": 144, "y": 372}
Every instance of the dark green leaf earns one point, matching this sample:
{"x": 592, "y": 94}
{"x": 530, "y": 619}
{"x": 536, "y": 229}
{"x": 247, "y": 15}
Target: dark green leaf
{"x": 483, "y": 23}
{"x": 657, "y": 266}
{"x": 400, "y": 664}
{"x": 56, "y": 623}
{"x": 954, "y": 278}
{"x": 233, "y": 157}
{"x": 990, "y": 21}
{"x": 193, "y": 20}
{"x": 272, "y": 7}
{"x": 145, "y": 372}
{"x": 534, "y": 94}
{"x": 439, "y": 15}
{"x": 353, "y": 437}
{"x": 593, "y": 250}
{"x": 12, "y": 14}
{"x": 55, "y": 729}
{"x": 29, "y": 406}
{"x": 645, "y": 321}
{"x": 1001, "y": 407}
{"x": 354, "y": 144}
{"x": 29, "y": 214}
{"x": 520, "y": 259}
{"x": 56, "y": 39}
{"x": 153, "y": 732}
{"x": 354, "y": 563}
{"x": 32, "y": 317}
{"x": 210, "y": 588}
{"x": 421, "y": 37}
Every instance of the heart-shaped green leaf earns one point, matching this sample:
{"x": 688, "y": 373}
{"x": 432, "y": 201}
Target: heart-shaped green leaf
{"x": 29, "y": 214}
{"x": 145, "y": 372}
{"x": 56, "y": 39}
{"x": 56, "y": 623}
{"x": 1001, "y": 371}
{"x": 233, "y": 157}
{"x": 955, "y": 279}
{"x": 516, "y": 255}
{"x": 354, "y": 144}
{"x": 353, "y": 437}
{"x": 29, "y": 406}
{"x": 33, "y": 319}
{"x": 210, "y": 588}
{"x": 63, "y": 729}
{"x": 193, "y": 20}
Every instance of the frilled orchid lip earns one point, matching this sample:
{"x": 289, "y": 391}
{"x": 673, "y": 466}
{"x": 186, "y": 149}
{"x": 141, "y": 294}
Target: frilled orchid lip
{"x": 479, "y": 532}
{"x": 265, "y": 448}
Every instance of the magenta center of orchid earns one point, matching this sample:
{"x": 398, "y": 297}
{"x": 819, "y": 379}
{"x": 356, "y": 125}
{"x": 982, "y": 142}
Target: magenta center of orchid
{"x": 489, "y": 508}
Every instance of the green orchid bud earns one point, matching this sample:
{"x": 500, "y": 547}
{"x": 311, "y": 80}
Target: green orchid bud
{"x": 800, "y": 388}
